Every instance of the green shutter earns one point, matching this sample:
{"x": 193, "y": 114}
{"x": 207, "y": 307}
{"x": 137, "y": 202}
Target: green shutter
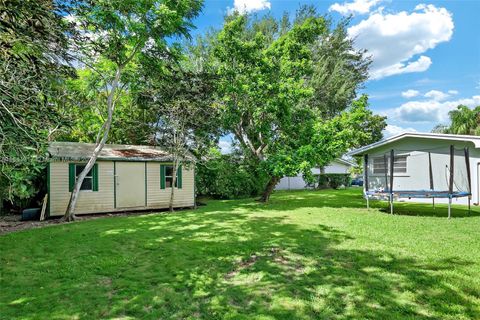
{"x": 179, "y": 177}
{"x": 71, "y": 176}
{"x": 162, "y": 176}
{"x": 95, "y": 177}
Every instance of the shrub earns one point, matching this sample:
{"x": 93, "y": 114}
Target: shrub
{"x": 228, "y": 177}
{"x": 335, "y": 180}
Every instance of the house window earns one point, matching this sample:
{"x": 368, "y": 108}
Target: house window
{"x": 399, "y": 165}
{"x": 87, "y": 183}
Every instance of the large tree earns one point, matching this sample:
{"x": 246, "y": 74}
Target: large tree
{"x": 33, "y": 67}
{"x": 279, "y": 85}
{"x": 119, "y": 32}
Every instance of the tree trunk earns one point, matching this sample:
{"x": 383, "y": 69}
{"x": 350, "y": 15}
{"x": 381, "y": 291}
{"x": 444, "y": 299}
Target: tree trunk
{"x": 269, "y": 189}
{"x": 321, "y": 182}
{"x": 70, "y": 212}
{"x": 174, "y": 180}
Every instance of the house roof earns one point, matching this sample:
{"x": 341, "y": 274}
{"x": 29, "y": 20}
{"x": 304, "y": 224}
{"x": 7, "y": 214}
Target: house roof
{"x": 78, "y": 151}
{"x": 346, "y": 162}
{"x": 435, "y": 136}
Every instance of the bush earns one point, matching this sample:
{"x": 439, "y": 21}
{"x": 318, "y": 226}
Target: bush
{"x": 335, "y": 180}
{"x": 228, "y": 177}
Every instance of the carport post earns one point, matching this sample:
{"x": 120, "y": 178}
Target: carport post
{"x": 469, "y": 176}
{"x": 365, "y": 178}
{"x": 450, "y": 185}
{"x": 392, "y": 165}
{"x": 449, "y": 206}
{"x": 430, "y": 174}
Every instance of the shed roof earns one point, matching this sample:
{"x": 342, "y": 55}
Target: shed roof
{"x": 435, "y": 136}
{"x": 78, "y": 151}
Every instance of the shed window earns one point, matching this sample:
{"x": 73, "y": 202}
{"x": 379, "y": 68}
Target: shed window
{"x": 169, "y": 177}
{"x": 399, "y": 165}
{"x": 87, "y": 183}
{"x": 90, "y": 183}
{"x": 166, "y": 176}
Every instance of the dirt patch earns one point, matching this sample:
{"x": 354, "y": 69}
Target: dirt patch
{"x": 273, "y": 253}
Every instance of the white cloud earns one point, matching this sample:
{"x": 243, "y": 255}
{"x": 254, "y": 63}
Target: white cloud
{"x": 396, "y": 40}
{"x": 452, "y": 92}
{"x": 246, "y": 6}
{"x": 357, "y": 6}
{"x": 410, "y": 93}
{"x": 392, "y": 130}
{"x": 436, "y": 95}
{"x": 430, "y": 111}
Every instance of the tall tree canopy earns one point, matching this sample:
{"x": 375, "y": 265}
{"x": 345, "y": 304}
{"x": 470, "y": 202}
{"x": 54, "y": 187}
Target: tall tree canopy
{"x": 33, "y": 66}
{"x": 463, "y": 120}
{"x": 285, "y": 91}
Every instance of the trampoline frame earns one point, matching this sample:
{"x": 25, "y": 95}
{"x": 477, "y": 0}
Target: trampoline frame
{"x": 432, "y": 193}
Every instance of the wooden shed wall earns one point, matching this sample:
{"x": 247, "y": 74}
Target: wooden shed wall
{"x": 160, "y": 198}
{"x": 103, "y": 200}
{"x": 88, "y": 201}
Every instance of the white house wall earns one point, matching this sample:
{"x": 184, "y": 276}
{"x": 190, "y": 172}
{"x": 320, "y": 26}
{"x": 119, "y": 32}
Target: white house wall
{"x": 297, "y": 182}
{"x": 417, "y": 175}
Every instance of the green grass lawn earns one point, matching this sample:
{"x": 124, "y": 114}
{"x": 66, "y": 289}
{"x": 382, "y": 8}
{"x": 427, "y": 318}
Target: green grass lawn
{"x": 307, "y": 254}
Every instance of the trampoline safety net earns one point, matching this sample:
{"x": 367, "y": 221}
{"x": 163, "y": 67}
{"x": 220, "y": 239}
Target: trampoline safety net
{"x": 442, "y": 172}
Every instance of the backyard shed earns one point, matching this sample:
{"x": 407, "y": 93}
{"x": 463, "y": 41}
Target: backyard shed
{"x": 125, "y": 177}
{"x": 438, "y": 168}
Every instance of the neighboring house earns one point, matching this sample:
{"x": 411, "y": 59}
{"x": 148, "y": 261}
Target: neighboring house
{"x": 297, "y": 182}
{"x": 424, "y": 166}
{"x": 125, "y": 177}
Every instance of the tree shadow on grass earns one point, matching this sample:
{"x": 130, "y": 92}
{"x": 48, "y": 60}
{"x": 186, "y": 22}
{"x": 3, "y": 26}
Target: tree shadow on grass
{"x": 228, "y": 264}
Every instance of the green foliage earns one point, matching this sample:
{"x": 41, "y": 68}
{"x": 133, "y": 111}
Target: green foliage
{"x": 176, "y": 92}
{"x": 334, "y": 180}
{"x": 86, "y": 100}
{"x": 463, "y": 120}
{"x": 228, "y": 177}
{"x": 281, "y": 87}
{"x": 32, "y": 45}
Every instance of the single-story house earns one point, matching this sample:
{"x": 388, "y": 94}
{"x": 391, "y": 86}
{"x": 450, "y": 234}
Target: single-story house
{"x": 297, "y": 182}
{"x": 427, "y": 167}
{"x": 124, "y": 177}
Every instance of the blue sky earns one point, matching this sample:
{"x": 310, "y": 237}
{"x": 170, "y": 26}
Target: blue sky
{"x": 426, "y": 54}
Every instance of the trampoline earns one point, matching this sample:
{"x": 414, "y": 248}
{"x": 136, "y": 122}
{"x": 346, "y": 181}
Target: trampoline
{"x": 434, "y": 173}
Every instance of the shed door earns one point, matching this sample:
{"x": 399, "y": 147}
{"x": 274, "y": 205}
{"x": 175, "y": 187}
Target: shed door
{"x": 130, "y": 184}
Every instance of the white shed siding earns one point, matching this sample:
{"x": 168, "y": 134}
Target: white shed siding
{"x": 417, "y": 175}
{"x": 103, "y": 200}
{"x": 160, "y": 198}
{"x": 88, "y": 201}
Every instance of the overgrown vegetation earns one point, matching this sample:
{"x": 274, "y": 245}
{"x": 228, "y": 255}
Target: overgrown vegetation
{"x": 32, "y": 73}
{"x": 113, "y": 71}
{"x": 305, "y": 255}
{"x": 285, "y": 90}
{"x": 334, "y": 180}
{"x": 228, "y": 177}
